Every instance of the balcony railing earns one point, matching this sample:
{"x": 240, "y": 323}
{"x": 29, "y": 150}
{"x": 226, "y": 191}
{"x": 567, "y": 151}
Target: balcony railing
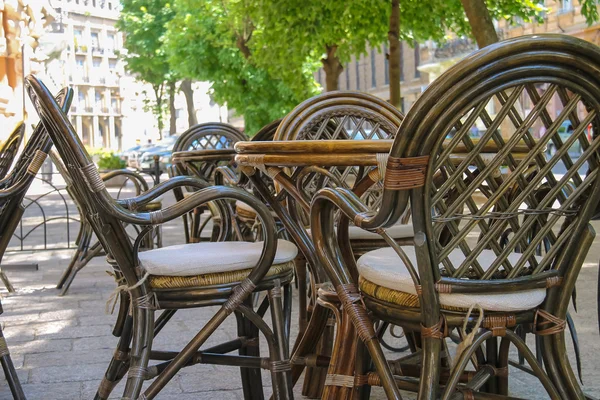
{"x": 89, "y": 109}
{"x": 97, "y": 50}
{"x": 105, "y": 110}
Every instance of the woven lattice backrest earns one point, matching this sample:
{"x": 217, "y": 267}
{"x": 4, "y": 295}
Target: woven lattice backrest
{"x": 208, "y": 136}
{"x": 10, "y": 148}
{"x": 341, "y": 116}
{"x": 513, "y": 158}
{"x": 22, "y": 175}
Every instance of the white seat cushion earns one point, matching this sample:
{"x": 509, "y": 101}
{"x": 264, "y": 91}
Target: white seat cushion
{"x": 398, "y": 231}
{"x": 210, "y": 257}
{"x": 385, "y": 268}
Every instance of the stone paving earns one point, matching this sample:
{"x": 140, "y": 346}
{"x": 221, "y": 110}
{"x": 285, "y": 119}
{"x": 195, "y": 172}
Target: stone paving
{"x": 62, "y": 345}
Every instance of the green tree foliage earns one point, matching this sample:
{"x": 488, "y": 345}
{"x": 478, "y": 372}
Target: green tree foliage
{"x": 305, "y": 32}
{"x": 212, "y": 40}
{"x": 143, "y": 22}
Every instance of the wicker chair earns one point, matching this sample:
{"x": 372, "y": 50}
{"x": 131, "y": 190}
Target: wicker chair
{"x": 9, "y": 149}
{"x": 222, "y": 274}
{"x": 13, "y": 188}
{"x": 207, "y": 146}
{"x": 501, "y": 228}
{"x": 334, "y": 116}
{"x": 85, "y": 249}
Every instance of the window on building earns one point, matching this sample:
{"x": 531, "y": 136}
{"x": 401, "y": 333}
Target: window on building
{"x": 373, "y": 70}
{"x": 97, "y": 62}
{"x": 386, "y": 65}
{"x": 417, "y": 60}
{"x": 567, "y": 5}
{"x": 110, "y": 42}
{"x": 401, "y": 61}
{"x": 357, "y": 75}
{"x": 98, "y": 98}
{"x": 81, "y": 99}
{"x": 114, "y": 103}
{"x": 112, "y": 64}
{"x": 95, "y": 41}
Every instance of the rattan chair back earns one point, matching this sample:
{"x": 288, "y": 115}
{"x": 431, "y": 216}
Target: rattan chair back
{"x": 14, "y": 186}
{"x": 341, "y": 116}
{"x": 502, "y": 192}
{"x": 10, "y": 148}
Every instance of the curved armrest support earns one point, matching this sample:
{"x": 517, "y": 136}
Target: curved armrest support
{"x": 228, "y": 175}
{"x": 135, "y": 203}
{"x": 136, "y": 178}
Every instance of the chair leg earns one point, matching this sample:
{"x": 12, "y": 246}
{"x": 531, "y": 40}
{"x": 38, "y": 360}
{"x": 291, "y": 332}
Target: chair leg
{"x": 558, "y": 366}
{"x": 9, "y": 370}
{"x": 143, "y": 335}
{"x": 119, "y": 361}
{"x": 300, "y": 264}
{"x": 89, "y": 254}
{"x": 281, "y": 380}
{"x": 251, "y": 377}
{"x": 6, "y": 282}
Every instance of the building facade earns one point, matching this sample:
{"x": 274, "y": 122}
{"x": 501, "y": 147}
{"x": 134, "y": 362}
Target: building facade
{"x": 422, "y": 63}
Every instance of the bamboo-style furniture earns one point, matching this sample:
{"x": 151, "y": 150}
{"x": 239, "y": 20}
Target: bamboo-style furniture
{"x": 13, "y": 188}
{"x": 192, "y": 275}
{"x": 198, "y": 152}
{"x": 86, "y": 250}
{"x": 499, "y": 239}
{"x": 320, "y": 143}
{"x": 10, "y": 147}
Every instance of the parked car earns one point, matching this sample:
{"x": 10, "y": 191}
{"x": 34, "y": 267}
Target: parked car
{"x": 163, "y": 149}
{"x": 565, "y": 131}
{"x": 134, "y": 153}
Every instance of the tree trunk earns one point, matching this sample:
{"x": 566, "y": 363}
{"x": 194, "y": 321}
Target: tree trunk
{"x": 186, "y": 88}
{"x": 394, "y": 55}
{"x": 481, "y": 22}
{"x": 172, "y": 111}
{"x": 333, "y": 68}
{"x": 158, "y": 94}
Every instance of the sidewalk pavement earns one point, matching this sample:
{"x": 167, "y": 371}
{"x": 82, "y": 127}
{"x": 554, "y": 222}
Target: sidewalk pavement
{"x": 62, "y": 345}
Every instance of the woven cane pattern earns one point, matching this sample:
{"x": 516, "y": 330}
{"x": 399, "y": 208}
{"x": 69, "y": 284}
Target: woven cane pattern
{"x": 222, "y": 278}
{"x": 394, "y": 296}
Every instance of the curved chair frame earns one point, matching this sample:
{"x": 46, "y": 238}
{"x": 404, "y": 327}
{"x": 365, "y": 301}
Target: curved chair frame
{"x": 215, "y": 141}
{"x": 107, "y": 216}
{"x": 503, "y": 71}
{"x": 13, "y": 188}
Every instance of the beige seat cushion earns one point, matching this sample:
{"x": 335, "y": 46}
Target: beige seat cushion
{"x": 383, "y": 267}
{"x": 210, "y": 257}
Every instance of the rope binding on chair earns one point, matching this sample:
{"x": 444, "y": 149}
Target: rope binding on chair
{"x": 147, "y": 301}
{"x": 405, "y": 173}
{"x": 36, "y": 163}
{"x": 437, "y": 331}
{"x": 548, "y": 325}
{"x": 468, "y": 340}
{"x": 93, "y": 178}
{"x": 350, "y": 297}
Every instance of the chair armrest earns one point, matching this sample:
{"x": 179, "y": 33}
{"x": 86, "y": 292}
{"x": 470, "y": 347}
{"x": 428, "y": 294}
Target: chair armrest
{"x": 149, "y": 195}
{"x": 136, "y": 178}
